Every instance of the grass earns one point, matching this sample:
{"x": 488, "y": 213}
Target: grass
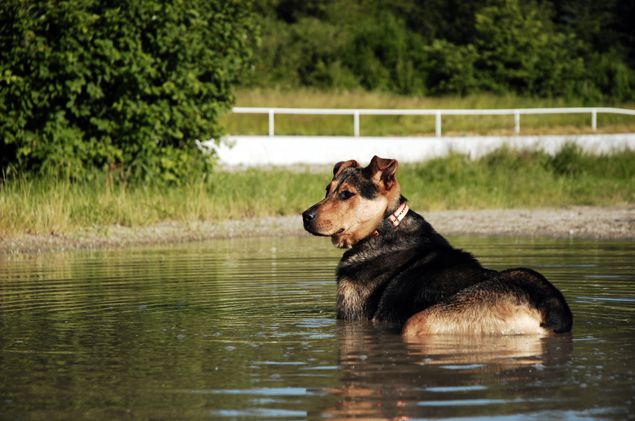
{"x": 243, "y": 124}
{"x": 503, "y": 179}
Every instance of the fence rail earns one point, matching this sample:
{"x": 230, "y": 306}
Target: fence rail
{"x": 357, "y": 113}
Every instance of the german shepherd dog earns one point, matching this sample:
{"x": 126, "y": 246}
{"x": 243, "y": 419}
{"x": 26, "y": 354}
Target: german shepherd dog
{"x": 399, "y": 269}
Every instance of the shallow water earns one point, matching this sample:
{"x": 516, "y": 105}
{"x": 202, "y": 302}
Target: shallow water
{"x": 246, "y": 328}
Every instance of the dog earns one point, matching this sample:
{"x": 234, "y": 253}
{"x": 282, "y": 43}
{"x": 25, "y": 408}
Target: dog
{"x": 398, "y": 269}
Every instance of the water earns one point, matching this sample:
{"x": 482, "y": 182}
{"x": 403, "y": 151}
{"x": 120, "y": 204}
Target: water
{"x": 246, "y": 328}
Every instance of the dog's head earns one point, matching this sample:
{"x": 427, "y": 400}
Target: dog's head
{"x": 356, "y": 201}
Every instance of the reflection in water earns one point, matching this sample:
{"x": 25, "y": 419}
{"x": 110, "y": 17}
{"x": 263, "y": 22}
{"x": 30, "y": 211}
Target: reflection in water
{"x": 505, "y": 352}
{"x": 246, "y": 329}
{"x": 384, "y": 377}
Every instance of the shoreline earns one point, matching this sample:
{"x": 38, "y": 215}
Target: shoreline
{"x": 583, "y": 222}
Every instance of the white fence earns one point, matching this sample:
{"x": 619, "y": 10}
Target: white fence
{"x": 357, "y": 113}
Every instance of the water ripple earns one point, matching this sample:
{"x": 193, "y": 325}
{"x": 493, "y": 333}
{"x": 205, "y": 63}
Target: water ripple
{"x": 246, "y": 328}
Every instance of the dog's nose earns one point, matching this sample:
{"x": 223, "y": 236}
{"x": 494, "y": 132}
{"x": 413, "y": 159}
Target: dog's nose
{"x": 309, "y": 214}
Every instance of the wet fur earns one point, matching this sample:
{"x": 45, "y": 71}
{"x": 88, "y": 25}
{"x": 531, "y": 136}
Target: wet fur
{"x": 410, "y": 275}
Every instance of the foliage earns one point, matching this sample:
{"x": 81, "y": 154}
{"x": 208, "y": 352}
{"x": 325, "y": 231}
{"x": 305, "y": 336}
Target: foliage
{"x": 573, "y": 49}
{"x": 450, "y": 68}
{"x": 520, "y": 51}
{"x": 125, "y": 86}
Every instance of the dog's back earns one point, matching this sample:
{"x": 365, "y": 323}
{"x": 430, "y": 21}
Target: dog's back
{"x": 391, "y": 276}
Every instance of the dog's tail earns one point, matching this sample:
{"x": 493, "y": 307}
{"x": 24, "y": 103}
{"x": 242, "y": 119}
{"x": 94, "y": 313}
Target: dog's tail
{"x": 546, "y": 298}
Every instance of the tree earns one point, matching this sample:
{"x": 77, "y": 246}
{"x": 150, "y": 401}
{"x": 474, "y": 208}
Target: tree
{"x": 124, "y": 86}
{"x": 544, "y": 48}
{"x": 519, "y": 50}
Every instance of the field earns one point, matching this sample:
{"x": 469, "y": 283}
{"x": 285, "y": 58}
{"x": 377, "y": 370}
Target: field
{"x": 503, "y": 179}
{"x": 413, "y": 125}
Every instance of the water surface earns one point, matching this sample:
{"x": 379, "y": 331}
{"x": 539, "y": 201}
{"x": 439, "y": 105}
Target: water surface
{"x": 246, "y": 328}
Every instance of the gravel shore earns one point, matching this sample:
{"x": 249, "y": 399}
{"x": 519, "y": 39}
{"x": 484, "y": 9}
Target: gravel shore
{"x": 571, "y": 222}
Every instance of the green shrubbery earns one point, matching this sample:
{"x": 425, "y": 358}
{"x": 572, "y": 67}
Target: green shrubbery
{"x": 125, "y": 87}
{"x": 564, "y": 48}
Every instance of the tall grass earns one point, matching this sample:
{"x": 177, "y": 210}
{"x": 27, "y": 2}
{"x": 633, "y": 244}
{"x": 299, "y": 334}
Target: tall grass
{"x": 503, "y": 179}
{"x": 52, "y": 206}
{"x": 243, "y": 124}
{"x": 508, "y": 179}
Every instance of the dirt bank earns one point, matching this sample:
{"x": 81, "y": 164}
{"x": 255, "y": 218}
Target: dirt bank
{"x": 578, "y": 222}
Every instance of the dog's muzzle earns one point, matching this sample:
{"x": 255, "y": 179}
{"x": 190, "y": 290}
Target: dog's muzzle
{"x": 308, "y": 218}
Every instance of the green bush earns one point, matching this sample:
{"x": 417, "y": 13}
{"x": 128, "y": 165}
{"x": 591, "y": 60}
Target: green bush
{"x": 548, "y": 48}
{"x": 450, "y": 68}
{"x": 519, "y": 51}
{"x": 125, "y": 86}
{"x": 610, "y": 76}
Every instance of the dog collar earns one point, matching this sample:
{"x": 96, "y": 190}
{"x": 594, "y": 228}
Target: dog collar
{"x": 396, "y": 217}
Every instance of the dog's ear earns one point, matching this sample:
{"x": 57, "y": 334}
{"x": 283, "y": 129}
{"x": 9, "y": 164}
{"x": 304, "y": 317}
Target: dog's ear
{"x": 384, "y": 170}
{"x": 342, "y": 165}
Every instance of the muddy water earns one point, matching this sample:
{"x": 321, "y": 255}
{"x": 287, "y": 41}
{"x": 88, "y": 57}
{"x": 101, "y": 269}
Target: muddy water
{"x": 240, "y": 329}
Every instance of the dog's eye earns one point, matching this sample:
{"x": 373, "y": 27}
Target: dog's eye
{"x": 344, "y": 195}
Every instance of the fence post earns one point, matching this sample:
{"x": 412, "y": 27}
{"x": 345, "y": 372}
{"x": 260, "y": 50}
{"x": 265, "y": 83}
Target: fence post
{"x": 517, "y": 122}
{"x": 271, "y": 123}
{"x": 594, "y": 119}
{"x": 437, "y": 126}
{"x": 356, "y": 123}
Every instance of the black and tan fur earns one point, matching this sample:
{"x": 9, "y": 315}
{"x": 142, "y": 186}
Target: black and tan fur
{"x": 411, "y": 275}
